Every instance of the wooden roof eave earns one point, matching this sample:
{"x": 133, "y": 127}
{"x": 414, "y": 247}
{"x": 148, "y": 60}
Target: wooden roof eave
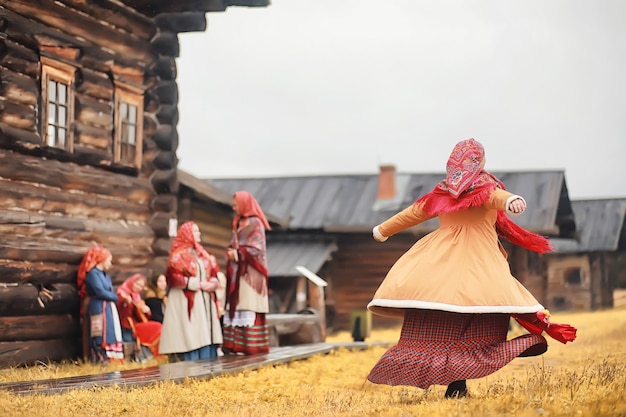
{"x": 153, "y": 8}
{"x": 212, "y": 193}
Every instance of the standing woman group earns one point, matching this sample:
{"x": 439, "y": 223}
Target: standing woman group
{"x": 191, "y": 325}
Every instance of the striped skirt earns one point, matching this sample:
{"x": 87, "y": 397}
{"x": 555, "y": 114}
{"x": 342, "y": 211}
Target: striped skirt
{"x": 438, "y": 347}
{"x": 247, "y": 339}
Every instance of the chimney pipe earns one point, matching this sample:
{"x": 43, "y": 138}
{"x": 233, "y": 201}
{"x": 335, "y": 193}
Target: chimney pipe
{"x": 387, "y": 182}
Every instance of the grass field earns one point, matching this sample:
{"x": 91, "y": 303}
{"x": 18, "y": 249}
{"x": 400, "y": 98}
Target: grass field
{"x": 586, "y": 378}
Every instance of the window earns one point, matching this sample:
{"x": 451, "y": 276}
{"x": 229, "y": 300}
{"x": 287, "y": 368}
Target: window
{"x": 573, "y": 276}
{"x": 127, "y": 144}
{"x": 57, "y": 81}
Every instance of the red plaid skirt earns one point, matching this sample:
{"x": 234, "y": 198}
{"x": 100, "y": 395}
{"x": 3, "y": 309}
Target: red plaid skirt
{"x": 438, "y": 347}
{"x": 249, "y": 340}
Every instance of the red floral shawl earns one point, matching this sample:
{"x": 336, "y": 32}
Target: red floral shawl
{"x": 249, "y": 241}
{"x": 183, "y": 261}
{"x": 468, "y": 185}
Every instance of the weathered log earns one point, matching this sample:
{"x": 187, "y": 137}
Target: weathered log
{"x": 128, "y": 73}
{"x": 69, "y": 176}
{"x": 94, "y": 137}
{"x": 160, "y": 223}
{"x": 12, "y": 137}
{"x": 22, "y": 30}
{"x": 30, "y": 352}
{"x": 150, "y": 103}
{"x": 47, "y": 249}
{"x": 165, "y": 160}
{"x": 61, "y": 52}
{"x": 181, "y": 22}
{"x": 165, "y": 182}
{"x": 162, "y": 246}
{"x": 155, "y": 7}
{"x": 25, "y": 300}
{"x": 166, "y": 43}
{"x": 19, "y": 116}
{"x": 94, "y": 84}
{"x": 18, "y": 58}
{"x": 165, "y": 202}
{"x": 83, "y": 26}
{"x": 150, "y": 125}
{"x": 93, "y": 112}
{"x": 117, "y": 15}
{"x": 166, "y": 137}
{"x": 18, "y": 88}
{"x": 158, "y": 264}
{"x": 165, "y": 68}
{"x": 39, "y": 327}
{"x": 52, "y": 200}
{"x": 39, "y": 273}
{"x": 167, "y": 92}
{"x": 168, "y": 114}
{"x": 135, "y": 231}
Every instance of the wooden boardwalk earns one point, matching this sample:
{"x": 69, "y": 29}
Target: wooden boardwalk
{"x": 179, "y": 371}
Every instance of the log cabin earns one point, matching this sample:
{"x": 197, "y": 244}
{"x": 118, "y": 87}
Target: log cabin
{"x": 88, "y": 139}
{"x": 332, "y": 219}
{"x": 578, "y": 272}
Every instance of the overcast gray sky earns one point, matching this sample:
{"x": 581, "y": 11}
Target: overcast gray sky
{"x": 338, "y": 87}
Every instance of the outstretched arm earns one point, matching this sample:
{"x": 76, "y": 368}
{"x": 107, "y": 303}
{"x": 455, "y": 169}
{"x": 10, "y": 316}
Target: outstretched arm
{"x": 505, "y": 201}
{"x": 409, "y": 217}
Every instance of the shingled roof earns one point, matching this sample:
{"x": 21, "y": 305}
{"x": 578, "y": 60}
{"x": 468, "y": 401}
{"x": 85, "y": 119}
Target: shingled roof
{"x": 600, "y": 225}
{"x": 345, "y": 203}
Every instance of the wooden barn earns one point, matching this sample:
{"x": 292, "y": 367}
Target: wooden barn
{"x": 578, "y": 274}
{"x": 88, "y": 139}
{"x": 332, "y": 218}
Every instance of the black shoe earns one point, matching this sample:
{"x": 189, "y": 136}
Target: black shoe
{"x": 457, "y": 389}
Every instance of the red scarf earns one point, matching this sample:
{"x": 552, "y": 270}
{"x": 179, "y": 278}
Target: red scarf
{"x": 94, "y": 256}
{"x": 247, "y": 206}
{"x": 183, "y": 263}
{"x": 468, "y": 185}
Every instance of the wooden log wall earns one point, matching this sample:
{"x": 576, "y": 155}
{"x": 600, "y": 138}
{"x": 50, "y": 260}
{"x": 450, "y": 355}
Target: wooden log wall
{"x": 55, "y": 204}
{"x": 355, "y": 272}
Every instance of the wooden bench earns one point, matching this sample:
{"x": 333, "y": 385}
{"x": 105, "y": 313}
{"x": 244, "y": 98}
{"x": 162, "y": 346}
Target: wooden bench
{"x": 295, "y": 329}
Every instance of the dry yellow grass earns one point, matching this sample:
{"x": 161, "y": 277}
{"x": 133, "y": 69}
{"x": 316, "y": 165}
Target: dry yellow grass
{"x": 586, "y": 378}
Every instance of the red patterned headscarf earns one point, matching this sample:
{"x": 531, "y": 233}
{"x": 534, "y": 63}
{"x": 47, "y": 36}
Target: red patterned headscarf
{"x": 464, "y": 165}
{"x": 94, "y": 256}
{"x": 182, "y": 262}
{"x": 127, "y": 286}
{"x": 468, "y": 185}
{"x": 247, "y": 206}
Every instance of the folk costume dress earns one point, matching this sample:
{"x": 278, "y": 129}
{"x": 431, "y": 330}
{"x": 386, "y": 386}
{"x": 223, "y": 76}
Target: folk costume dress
{"x": 101, "y": 320}
{"x": 136, "y": 326}
{"x": 245, "y": 325}
{"x": 191, "y": 325}
{"x": 454, "y": 287}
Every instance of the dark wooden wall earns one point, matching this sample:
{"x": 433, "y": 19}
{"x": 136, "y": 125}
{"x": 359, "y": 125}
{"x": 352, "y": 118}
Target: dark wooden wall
{"x": 55, "y": 204}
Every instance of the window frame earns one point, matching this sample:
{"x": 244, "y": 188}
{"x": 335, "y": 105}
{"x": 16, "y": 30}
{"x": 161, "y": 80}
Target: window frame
{"x": 57, "y": 71}
{"x": 134, "y": 97}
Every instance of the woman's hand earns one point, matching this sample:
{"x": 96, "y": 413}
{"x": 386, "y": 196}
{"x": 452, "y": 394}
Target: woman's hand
{"x": 209, "y": 286}
{"x": 517, "y": 206}
{"x": 145, "y": 309}
{"x": 232, "y": 254}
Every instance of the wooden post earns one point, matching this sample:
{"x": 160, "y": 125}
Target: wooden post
{"x": 316, "y": 301}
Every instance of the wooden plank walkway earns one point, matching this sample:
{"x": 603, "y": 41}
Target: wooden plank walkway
{"x": 179, "y": 371}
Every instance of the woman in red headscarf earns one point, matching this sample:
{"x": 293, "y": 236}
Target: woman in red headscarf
{"x": 191, "y": 325}
{"x": 245, "y": 326}
{"x": 134, "y": 314}
{"x": 102, "y": 324}
{"x": 454, "y": 287}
